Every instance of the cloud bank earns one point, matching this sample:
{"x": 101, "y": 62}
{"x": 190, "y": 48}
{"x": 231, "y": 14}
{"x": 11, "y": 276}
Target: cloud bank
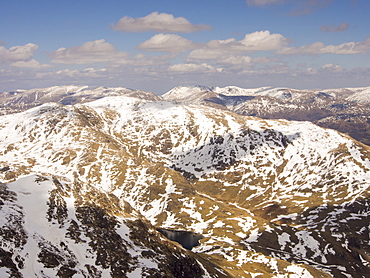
{"x": 18, "y": 53}
{"x": 256, "y": 41}
{"x": 90, "y": 52}
{"x": 30, "y": 64}
{"x": 192, "y": 68}
{"x": 167, "y": 43}
{"x": 158, "y": 22}
{"x": 321, "y": 48}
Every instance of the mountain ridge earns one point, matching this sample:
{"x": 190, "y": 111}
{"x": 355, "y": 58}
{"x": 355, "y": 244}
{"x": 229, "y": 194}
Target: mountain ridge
{"x": 20, "y": 100}
{"x": 345, "y": 109}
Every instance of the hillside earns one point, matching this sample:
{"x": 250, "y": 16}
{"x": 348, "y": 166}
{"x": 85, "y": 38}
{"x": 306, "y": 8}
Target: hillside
{"x": 271, "y": 198}
{"x": 346, "y": 110}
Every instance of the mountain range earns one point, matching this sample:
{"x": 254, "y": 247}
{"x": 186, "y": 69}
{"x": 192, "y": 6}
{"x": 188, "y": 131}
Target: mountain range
{"x": 346, "y": 110}
{"x": 94, "y": 179}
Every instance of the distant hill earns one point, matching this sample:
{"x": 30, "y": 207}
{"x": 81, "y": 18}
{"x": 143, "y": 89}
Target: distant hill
{"x": 346, "y": 110}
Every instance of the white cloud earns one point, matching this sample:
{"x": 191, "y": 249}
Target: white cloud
{"x": 238, "y": 61}
{"x": 90, "y": 52}
{"x": 91, "y": 72}
{"x": 18, "y": 53}
{"x": 68, "y": 74}
{"x": 30, "y": 64}
{"x": 144, "y": 60}
{"x": 363, "y": 47}
{"x": 264, "y": 40}
{"x": 264, "y": 60}
{"x": 270, "y": 69}
{"x": 344, "y": 48}
{"x": 206, "y": 54}
{"x": 235, "y": 60}
{"x": 327, "y": 69}
{"x": 167, "y": 43}
{"x": 314, "y": 48}
{"x": 188, "y": 68}
{"x": 321, "y": 48}
{"x": 256, "y": 41}
{"x": 333, "y": 68}
{"x": 57, "y": 74}
{"x": 158, "y": 22}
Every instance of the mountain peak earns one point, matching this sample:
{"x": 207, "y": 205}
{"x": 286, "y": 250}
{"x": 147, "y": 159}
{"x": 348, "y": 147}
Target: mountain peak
{"x": 184, "y": 92}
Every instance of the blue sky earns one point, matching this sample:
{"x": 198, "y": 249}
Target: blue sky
{"x": 157, "y": 45}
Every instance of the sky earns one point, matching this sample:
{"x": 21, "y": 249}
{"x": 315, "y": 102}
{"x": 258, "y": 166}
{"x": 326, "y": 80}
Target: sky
{"x": 157, "y": 45}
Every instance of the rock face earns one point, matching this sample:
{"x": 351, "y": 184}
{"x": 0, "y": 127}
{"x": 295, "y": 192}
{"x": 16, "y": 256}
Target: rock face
{"x": 270, "y": 198}
{"x": 346, "y": 110}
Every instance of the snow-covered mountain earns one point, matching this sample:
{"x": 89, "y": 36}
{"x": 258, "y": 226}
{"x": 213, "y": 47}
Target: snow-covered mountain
{"x": 16, "y": 101}
{"x": 270, "y": 198}
{"x": 346, "y": 109}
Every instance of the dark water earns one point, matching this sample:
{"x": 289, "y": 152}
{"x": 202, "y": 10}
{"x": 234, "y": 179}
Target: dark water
{"x": 187, "y": 239}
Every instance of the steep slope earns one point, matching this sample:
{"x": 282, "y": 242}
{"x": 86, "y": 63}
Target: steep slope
{"x": 346, "y": 110}
{"x": 270, "y": 197}
{"x": 50, "y": 228}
